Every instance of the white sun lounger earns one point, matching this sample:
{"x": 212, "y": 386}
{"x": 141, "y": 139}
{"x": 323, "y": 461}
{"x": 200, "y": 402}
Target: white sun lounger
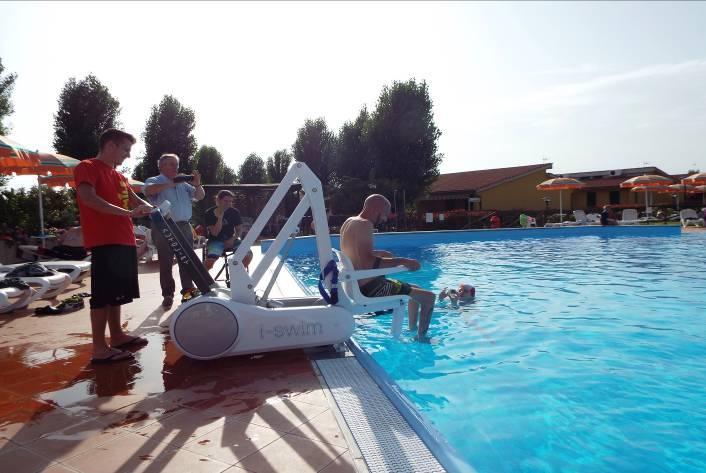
{"x": 689, "y": 217}
{"x": 629, "y": 217}
{"x": 50, "y": 286}
{"x": 78, "y": 270}
{"x": 12, "y": 298}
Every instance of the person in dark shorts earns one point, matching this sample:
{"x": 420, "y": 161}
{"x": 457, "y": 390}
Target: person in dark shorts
{"x": 104, "y": 200}
{"x": 357, "y": 244}
{"x": 223, "y": 224}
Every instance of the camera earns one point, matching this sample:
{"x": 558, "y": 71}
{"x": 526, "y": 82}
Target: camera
{"x": 184, "y": 178}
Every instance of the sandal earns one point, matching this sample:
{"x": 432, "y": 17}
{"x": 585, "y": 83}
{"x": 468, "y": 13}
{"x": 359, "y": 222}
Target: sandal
{"x": 114, "y": 357}
{"x": 49, "y": 310}
{"x": 133, "y": 342}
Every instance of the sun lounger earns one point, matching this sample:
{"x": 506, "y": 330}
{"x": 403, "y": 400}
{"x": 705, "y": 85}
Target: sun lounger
{"x": 78, "y": 270}
{"x": 689, "y": 217}
{"x": 593, "y": 219}
{"x": 579, "y": 216}
{"x": 12, "y": 298}
{"x": 629, "y": 217}
{"x": 49, "y": 286}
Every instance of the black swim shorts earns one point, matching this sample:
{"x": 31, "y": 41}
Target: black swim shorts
{"x": 381, "y": 286}
{"x": 113, "y": 275}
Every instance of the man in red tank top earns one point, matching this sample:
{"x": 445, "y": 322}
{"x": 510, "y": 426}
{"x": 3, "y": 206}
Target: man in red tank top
{"x": 104, "y": 200}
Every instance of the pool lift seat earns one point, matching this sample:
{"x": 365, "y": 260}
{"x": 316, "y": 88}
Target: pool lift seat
{"x": 236, "y": 320}
{"x": 357, "y": 303}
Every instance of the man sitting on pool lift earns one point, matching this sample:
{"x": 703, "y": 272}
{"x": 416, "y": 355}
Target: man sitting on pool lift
{"x": 357, "y": 244}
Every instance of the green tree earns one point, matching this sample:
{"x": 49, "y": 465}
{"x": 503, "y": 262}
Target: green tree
{"x": 209, "y": 162}
{"x": 169, "y": 129}
{"x": 86, "y": 109}
{"x": 7, "y": 83}
{"x": 403, "y": 139}
{"x": 353, "y": 156}
{"x": 277, "y": 165}
{"x": 252, "y": 171}
{"x": 229, "y": 175}
{"x": 19, "y": 208}
{"x": 316, "y": 146}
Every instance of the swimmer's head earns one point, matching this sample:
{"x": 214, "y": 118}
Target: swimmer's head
{"x": 466, "y": 290}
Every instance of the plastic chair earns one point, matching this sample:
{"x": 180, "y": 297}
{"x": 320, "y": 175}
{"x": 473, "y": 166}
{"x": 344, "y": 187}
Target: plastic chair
{"x": 352, "y": 299}
{"x": 151, "y": 248}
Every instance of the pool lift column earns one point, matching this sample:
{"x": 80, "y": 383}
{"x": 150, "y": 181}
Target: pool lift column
{"x": 226, "y": 322}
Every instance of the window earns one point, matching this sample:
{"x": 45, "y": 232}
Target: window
{"x": 590, "y": 199}
{"x": 614, "y": 197}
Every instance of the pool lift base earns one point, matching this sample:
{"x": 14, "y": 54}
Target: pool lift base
{"x": 236, "y": 321}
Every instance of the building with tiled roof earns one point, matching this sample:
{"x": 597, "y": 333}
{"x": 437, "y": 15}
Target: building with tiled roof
{"x": 514, "y": 189}
{"x": 497, "y": 189}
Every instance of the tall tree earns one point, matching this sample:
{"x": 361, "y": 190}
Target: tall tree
{"x": 86, "y": 108}
{"x": 316, "y": 146}
{"x": 403, "y": 139}
{"x": 169, "y": 129}
{"x": 277, "y": 165}
{"x": 209, "y": 162}
{"x": 353, "y": 156}
{"x": 229, "y": 175}
{"x": 252, "y": 171}
{"x": 7, "y": 83}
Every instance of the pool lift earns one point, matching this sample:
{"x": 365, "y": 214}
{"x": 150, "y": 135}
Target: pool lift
{"x": 236, "y": 321}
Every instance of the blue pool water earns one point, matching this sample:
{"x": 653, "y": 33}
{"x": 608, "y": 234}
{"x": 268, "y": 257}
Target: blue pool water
{"x": 582, "y": 354}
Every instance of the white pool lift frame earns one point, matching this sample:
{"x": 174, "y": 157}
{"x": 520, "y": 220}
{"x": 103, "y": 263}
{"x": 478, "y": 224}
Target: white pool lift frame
{"x": 236, "y": 321}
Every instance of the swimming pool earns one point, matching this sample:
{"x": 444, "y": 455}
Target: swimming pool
{"x": 583, "y": 351}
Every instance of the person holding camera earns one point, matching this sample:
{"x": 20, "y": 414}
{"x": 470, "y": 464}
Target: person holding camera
{"x": 180, "y": 191}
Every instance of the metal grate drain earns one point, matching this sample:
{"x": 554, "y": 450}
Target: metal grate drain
{"x": 384, "y": 437}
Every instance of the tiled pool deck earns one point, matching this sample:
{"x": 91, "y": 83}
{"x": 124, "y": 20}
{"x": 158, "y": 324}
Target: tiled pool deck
{"x": 161, "y": 412}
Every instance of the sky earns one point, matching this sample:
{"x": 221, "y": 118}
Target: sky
{"x": 585, "y": 86}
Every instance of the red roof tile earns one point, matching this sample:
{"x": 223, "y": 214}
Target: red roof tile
{"x": 484, "y": 179}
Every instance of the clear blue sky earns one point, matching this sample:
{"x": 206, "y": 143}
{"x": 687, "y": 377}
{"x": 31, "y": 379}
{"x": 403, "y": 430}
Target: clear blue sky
{"x": 587, "y": 86}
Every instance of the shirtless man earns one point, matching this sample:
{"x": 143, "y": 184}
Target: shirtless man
{"x": 357, "y": 244}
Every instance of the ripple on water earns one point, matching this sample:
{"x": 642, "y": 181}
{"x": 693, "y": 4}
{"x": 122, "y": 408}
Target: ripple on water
{"x": 582, "y": 354}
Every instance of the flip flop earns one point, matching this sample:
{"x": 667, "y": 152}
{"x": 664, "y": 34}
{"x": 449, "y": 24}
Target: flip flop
{"x": 114, "y": 357}
{"x": 133, "y": 342}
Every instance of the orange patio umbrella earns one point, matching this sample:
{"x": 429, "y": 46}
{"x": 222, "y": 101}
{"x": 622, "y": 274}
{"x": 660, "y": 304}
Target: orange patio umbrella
{"x": 63, "y": 179}
{"x": 560, "y": 184}
{"x": 697, "y": 179}
{"x": 51, "y": 167}
{"x": 702, "y": 190}
{"x": 678, "y": 189}
{"x": 14, "y": 157}
{"x": 649, "y": 182}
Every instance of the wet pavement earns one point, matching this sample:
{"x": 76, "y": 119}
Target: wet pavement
{"x": 161, "y": 411}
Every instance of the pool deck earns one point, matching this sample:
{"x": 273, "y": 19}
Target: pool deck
{"x": 162, "y": 411}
